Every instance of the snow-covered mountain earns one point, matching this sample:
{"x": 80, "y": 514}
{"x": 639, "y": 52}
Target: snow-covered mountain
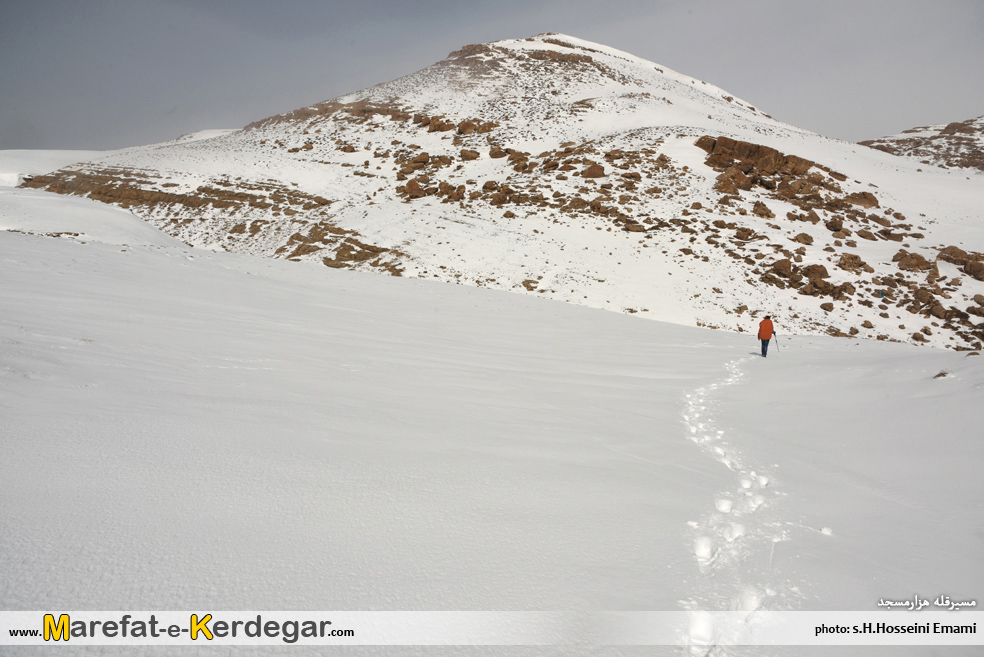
{"x": 566, "y": 169}
{"x": 959, "y": 144}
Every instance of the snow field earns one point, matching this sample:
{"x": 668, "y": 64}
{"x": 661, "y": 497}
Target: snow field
{"x": 183, "y": 429}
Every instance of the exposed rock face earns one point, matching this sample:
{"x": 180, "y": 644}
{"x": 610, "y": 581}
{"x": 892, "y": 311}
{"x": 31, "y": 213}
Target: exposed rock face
{"x": 593, "y": 171}
{"x": 724, "y": 152}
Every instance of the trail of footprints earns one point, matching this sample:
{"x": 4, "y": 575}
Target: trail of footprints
{"x": 734, "y": 544}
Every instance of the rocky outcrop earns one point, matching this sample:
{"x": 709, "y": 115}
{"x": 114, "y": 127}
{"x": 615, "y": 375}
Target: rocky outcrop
{"x": 957, "y": 144}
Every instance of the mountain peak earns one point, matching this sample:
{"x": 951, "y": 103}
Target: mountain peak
{"x": 566, "y": 169}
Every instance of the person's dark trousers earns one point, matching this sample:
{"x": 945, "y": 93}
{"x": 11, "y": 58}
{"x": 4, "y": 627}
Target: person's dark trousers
{"x": 765, "y": 348}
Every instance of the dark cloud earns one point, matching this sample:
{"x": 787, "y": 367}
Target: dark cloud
{"x": 107, "y": 73}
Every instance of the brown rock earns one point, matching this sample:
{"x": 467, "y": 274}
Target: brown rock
{"x": 803, "y": 238}
{"x": 509, "y": 214}
{"x": 975, "y": 268}
{"x": 423, "y": 158}
{"x": 867, "y": 324}
{"x": 954, "y": 255}
{"x": 705, "y": 143}
{"x": 593, "y": 171}
{"x": 490, "y": 186}
{"x": 468, "y": 155}
{"x": 827, "y": 306}
{"x": 815, "y": 272}
{"x": 864, "y": 199}
{"x": 834, "y": 225}
{"x": 783, "y": 267}
{"x": 918, "y": 337}
{"x": 496, "y": 152}
{"x": 414, "y": 190}
{"x": 762, "y": 210}
{"x": 910, "y": 261}
{"x": 867, "y": 234}
{"x": 922, "y": 295}
{"x": 979, "y": 299}
{"x": 852, "y": 263}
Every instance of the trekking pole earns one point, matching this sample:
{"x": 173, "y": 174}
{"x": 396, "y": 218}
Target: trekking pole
{"x": 776, "y": 336}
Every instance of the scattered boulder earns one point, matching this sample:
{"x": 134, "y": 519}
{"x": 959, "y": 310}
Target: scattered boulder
{"x": 783, "y": 267}
{"x": 975, "y": 268}
{"x": 815, "y": 272}
{"x": 414, "y": 190}
{"x": 826, "y": 306}
{"x": 853, "y": 263}
{"x": 954, "y": 255}
{"x": 593, "y": 171}
{"x": 863, "y": 199}
{"x": 923, "y": 296}
{"x": 867, "y": 324}
{"x": 803, "y": 238}
{"x": 762, "y": 210}
{"x": 911, "y": 261}
{"x": 496, "y": 152}
{"x": 468, "y": 155}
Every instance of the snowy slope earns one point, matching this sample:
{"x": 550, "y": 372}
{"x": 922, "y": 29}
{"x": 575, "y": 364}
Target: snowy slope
{"x": 470, "y": 171}
{"x": 185, "y": 429}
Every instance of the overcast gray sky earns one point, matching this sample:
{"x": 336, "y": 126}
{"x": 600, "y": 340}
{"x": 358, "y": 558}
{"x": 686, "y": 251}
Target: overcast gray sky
{"x": 111, "y": 73}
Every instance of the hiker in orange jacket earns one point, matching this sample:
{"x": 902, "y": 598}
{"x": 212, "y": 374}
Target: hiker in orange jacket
{"x": 766, "y": 331}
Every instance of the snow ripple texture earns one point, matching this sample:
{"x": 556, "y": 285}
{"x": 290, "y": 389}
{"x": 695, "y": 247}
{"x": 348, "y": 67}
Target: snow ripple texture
{"x": 734, "y": 544}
